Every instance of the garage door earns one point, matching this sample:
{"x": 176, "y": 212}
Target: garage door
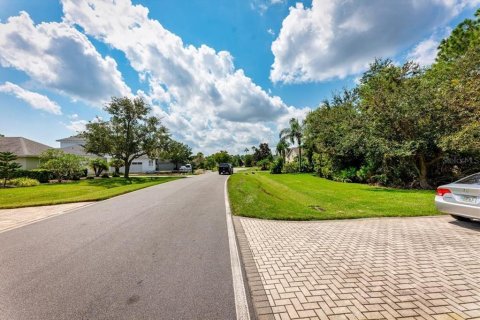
{"x": 136, "y": 167}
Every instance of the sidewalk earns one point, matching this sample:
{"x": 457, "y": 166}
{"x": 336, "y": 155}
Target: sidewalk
{"x": 15, "y": 218}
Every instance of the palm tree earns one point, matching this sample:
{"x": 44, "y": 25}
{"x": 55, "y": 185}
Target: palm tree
{"x": 294, "y": 134}
{"x": 282, "y": 147}
{"x": 246, "y": 150}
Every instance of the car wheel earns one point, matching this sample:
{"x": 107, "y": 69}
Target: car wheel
{"x": 460, "y": 218}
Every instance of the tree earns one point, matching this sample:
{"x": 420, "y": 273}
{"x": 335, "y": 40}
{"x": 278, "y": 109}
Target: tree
{"x": 246, "y": 150}
{"x": 117, "y": 164}
{"x": 282, "y": 148}
{"x": 248, "y": 159}
{"x": 199, "y": 161}
{"x": 464, "y": 37}
{"x": 294, "y": 134}
{"x": 178, "y": 152}
{"x": 262, "y": 152}
{"x": 62, "y": 165}
{"x": 98, "y": 165}
{"x": 129, "y": 134}
{"x": 222, "y": 157}
{"x": 8, "y": 166}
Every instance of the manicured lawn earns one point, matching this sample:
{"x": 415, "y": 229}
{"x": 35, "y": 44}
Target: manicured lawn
{"x": 85, "y": 190}
{"x": 305, "y": 197}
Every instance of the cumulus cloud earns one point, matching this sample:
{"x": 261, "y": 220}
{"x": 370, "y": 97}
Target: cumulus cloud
{"x": 76, "y": 125}
{"x": 425, "y": 52}
{"x": 59, "y": 57}
{"x": 334, "y": 39}
{"x": 35, "y": 100}
{"x": 197, "y": 91}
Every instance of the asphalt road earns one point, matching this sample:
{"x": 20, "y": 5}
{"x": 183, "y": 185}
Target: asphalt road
{"x": 157, "y": 253}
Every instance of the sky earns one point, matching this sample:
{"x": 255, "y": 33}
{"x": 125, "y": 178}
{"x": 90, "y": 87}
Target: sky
{"x": 221, "y": 74}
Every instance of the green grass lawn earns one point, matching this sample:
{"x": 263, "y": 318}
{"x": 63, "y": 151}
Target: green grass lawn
{"x": 84, "y": 190}
{"x": 306, "y": 197}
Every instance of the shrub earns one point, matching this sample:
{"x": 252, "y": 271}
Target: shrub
{"x": 43, "y": 176}
{"x": 345, "y": 175}
{"x": 98, "y": 165}
{"x": 90, "y": 178}
{"x": 291, "y": 167}
{"x": 105, "y": 175}
{"x": 115, "y": 175}
{"x": 248, "y": 160}
{"x": 199, "y": 171}
{"x": 23, "y": 182}
{"x": 277, "y": 166}
{"x": 264, "y": 164}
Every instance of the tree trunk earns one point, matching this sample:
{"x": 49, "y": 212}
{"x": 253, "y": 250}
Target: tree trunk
{"x": 127, "y": 168}
{"x": 300, "y": 158}
{"x": 423, "y": 172}
{"x": 5, "y": 182}
{"x": 117, "y": 170}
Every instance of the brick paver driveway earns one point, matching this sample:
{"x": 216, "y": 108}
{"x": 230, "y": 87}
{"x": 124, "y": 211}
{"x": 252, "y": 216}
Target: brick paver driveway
{"x": 390, "y": 268}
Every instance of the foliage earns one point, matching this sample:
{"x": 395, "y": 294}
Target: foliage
{"x": 177, "y": 152}
{"x": 294, "y": 134}
{"x": 463, "y": 38}
{"x": 263, "y": 152}
{"x": 42, "y": 175}
{"x": 291, "y": 167}
{"x": 264, "y": 164}
{"x": 282, "y": 148}
{"x": 117, "y": 164}
{"x": 98, "y": 165}
{"x": 7, "y": 166}
{"x": 62, "y": 165}
{"x": 277, "y": 166}
{"x": 222, "y": 157}
{"x": 305, "y": 197}
{"x": 237, "y": 160}
{"x": 404, "y": 126}
{"x": 78, "y": 191}
{"x": 23, "y": 182}
{"x": 198, "y": 161}
{"x": 129, "y": 134}
{"x": 248, "y": 160}
{"x": 105, "y": 175}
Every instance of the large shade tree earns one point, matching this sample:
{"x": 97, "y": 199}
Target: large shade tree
{"x": 129, "y": 134}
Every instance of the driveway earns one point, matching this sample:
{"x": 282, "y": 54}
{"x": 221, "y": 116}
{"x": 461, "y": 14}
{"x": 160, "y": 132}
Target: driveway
{"x": 157, "y": 253}
{"x": 390, "y": 268}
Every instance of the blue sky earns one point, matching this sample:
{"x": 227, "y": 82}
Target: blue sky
{"x": 220, "y": 74}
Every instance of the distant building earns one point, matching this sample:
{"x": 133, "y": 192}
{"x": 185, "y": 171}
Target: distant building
{"x": 292, "y": 153}
{"x": 75, "y": 145}
{"x": 27, "y": 151}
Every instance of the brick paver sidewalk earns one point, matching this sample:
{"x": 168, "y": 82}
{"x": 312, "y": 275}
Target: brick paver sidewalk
{"x": 390, "y": 268}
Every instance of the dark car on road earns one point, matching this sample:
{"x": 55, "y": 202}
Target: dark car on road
{"x": 225, "y": 168}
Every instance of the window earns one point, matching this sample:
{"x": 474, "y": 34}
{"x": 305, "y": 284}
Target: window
{"x": 150, "y": 163}
{"x": 136, "y": 163}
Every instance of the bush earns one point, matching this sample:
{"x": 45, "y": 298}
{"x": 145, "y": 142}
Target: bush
{"x": 277, "y": 166}
{"x": 90, "y": 178}
{"x": 105, "y": 175}
{"x": 199, "y": 171}
{"x": 248, "y": 160}
{"x": 115, "y": 175}
{"x": 346, "y": 175}
{"x": 41, "y": 175}
{"x": 264, "y": 164}
{"x": 291, "y": 167}
{"x": 23, "y": 182}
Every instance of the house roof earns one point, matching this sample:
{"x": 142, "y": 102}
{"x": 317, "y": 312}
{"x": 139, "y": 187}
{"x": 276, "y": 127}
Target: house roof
{"x": 77, "y": 137}
{"x": 22, "y": 147}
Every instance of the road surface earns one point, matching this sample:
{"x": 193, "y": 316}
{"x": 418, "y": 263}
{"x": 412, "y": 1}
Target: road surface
{"x": 157, "y": 253}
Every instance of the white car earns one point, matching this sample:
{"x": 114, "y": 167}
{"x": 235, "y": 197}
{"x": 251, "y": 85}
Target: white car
{"x": 460, "y": 199}
{"x": 186, "y": 168}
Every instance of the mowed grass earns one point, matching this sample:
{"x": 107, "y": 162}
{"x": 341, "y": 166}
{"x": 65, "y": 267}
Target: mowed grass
{"x": 306, "y": 197}
{"x": 79, "y": 191}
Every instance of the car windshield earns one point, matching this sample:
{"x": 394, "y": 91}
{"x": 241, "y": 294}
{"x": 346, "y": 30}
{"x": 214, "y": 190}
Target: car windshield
{"x": 473, "y": 179}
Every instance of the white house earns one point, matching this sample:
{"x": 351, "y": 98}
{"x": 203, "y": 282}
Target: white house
{"x": 74, "y": 145}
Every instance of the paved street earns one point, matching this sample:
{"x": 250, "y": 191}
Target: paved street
{"x": 157, "y": 253}
{"x": 390, "y": 268}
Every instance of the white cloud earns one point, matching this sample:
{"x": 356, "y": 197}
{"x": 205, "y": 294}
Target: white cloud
{"x": 425, "y": 52}
{"x": 198, "y": 92}
{"x": 261, "y": 6}
{"x": 270, "y": 31}
{"x": 59, "y": 57}
{"x": 77, "y": 125}
{"x": 35, "y": 100}
{"x": 334, "y": 39}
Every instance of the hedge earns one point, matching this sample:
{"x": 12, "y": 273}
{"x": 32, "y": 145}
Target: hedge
{"x": 43, "y": 176}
